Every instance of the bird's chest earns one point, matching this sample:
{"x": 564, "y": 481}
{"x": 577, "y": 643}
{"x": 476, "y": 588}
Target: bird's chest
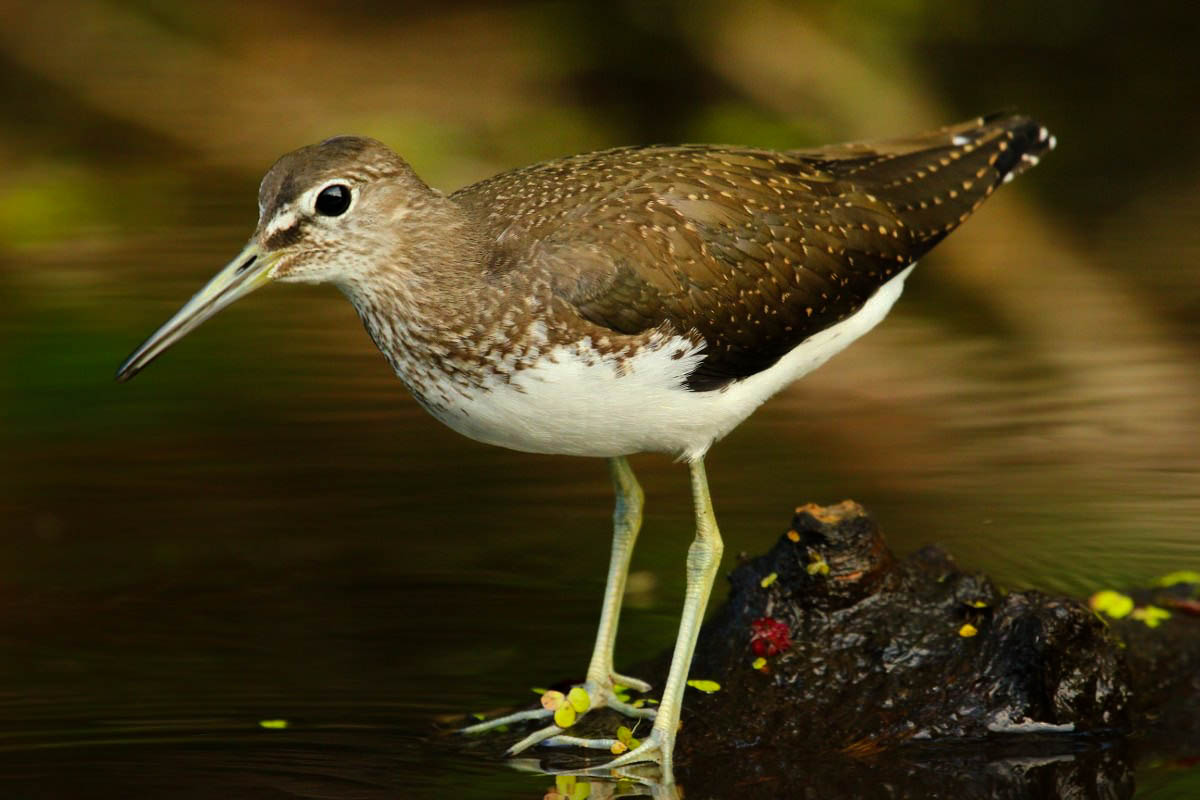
{"x": 535, "y": 392}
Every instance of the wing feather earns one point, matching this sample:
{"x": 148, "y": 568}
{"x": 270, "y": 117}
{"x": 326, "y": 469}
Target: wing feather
{"x": 751, "y": 250}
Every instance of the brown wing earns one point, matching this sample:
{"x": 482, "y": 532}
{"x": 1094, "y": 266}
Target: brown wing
{"x": 753, "y": 250}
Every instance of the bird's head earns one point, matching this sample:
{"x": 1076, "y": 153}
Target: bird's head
{"x": 332, "y": 212}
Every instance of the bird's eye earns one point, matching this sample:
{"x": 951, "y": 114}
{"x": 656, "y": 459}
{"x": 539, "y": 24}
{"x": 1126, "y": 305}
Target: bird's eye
{"x": 333, "y": 200}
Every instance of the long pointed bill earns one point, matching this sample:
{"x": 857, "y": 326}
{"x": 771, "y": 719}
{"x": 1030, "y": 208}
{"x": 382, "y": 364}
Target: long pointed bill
{"x": 250, "y": 270}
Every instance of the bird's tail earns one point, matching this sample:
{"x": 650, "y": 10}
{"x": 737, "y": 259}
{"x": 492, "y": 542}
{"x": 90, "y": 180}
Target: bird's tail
{"x": 934, "y": 181}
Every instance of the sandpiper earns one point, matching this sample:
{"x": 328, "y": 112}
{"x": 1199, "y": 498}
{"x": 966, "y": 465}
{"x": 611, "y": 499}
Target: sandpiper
{"x": 642, "y": 299}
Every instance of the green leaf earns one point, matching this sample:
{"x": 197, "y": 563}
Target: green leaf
{"x": 767, "y": 581}
{"x": 1114, "y": 604}
{"x": 1151, "y": 615}
{"x": 758, "y": 663}
{"x": 565, "y": 716}
{"x": 708, "y": 687}
{"x": 273, "y": 724}
{"x": 1180, "y": 576}
{"x": 579, "y": 699}
{"x": 625, "y": 739}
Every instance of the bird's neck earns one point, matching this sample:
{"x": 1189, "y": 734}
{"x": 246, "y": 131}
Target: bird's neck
{"x": 430, "y": 306}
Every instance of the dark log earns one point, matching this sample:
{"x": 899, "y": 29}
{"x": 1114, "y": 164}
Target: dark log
{"x": 913, "y": 678}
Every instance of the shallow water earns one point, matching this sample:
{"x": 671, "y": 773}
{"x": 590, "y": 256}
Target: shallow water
{"x": 264, "y": 526}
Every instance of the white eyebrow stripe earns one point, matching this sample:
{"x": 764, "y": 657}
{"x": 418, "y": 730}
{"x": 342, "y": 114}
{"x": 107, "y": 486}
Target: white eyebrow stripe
{"x": 281, "y": 222}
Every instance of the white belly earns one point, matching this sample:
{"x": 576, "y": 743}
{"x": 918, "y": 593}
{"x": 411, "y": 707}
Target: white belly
{"x": 574, "y": 401}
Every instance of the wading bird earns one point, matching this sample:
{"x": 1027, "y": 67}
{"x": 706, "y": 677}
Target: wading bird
{"x": 643, "y": 299}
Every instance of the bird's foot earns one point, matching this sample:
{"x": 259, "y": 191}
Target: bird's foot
{"x": 600, "y": 783}
{"x": 650, "y": 749}
{"x": 654, "y": 749}
{"x": 566, "y": 709}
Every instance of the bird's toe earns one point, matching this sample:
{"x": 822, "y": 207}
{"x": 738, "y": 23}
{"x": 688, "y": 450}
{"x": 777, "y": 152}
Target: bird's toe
{"x": 637, "y": 684}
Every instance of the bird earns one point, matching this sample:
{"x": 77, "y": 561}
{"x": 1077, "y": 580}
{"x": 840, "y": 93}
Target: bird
{"x": 630, "y": 300}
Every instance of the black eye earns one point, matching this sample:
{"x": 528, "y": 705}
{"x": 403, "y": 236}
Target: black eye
{"x": 333, "y": 200}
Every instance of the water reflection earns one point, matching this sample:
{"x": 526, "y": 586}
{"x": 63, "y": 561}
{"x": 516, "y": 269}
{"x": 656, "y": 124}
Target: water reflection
{"x": 266, "y": 527}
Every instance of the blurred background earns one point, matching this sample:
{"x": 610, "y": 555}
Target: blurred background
{"x": 265, "y": 526}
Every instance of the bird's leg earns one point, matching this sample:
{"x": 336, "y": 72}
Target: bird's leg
{"x": 704, "y": 557}
{"x": 627, "y": 521}
{"x": 601, "y": 678}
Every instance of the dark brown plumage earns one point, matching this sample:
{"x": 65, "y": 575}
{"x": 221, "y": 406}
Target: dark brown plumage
{"x": 754, "y": 250}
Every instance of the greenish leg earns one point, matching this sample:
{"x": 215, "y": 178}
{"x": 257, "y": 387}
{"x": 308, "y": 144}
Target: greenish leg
{"x": 627, "y": 521}
{"x": 704, "y": 558}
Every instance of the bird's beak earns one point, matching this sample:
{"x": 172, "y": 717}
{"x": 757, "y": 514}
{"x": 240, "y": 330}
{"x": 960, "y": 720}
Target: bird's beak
{"x": 250, "y": 270}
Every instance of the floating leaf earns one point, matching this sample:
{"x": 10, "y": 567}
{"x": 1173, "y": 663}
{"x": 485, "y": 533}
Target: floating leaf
{"x": 1114, "y": 604}
{"x": 479, "y": 715}
{"x": 967, "y": 631}
{"x": 566, "y": 787}
{"x": 706, "y": 686}
{"x": 625, "y": 737}
{"x": 565, "y": 716}
{"x": 758, "y": 663}
{"x": 767, "y": 581}
{"x": 817, "y": 565}
{"x": 1151, "y": 615}
{"x": 273, "y": 724}
{"x": 579, "y": 699}
{"x": 539, "y": 690}
{"x": 977, "y": 604}
{"x": 1180, "y": 576}
{"x": 795, "y": 537}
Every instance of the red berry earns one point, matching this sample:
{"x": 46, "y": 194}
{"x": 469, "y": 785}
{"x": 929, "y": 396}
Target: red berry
{"x": 769, "y": 636}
